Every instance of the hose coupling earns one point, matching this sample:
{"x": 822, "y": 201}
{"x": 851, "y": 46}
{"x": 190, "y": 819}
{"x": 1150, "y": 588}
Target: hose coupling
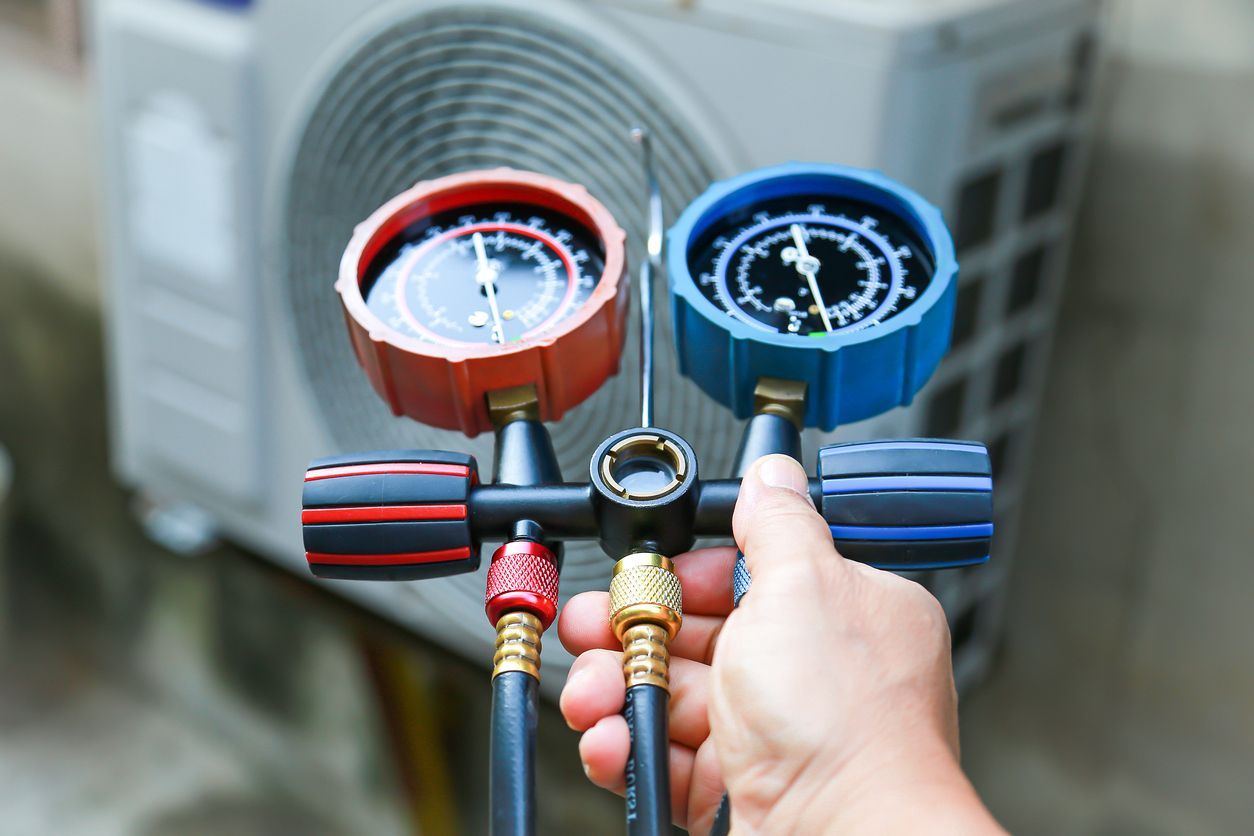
{"x": 521, "y": 601}
{"x": 646, "y": 611}
{"x": 517, "y": 644}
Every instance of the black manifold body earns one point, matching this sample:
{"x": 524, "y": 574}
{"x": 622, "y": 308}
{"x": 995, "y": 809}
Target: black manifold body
{"x": 907, "y": 505}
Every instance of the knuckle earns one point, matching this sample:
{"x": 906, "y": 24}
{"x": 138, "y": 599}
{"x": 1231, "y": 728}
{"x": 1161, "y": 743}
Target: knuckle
{"x": 928, "y": 611}
{"x": 916, "y": 604}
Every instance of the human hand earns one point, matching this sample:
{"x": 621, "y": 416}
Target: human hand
{"x": 825, "y": 702}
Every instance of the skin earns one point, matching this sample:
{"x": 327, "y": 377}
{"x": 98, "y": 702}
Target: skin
{"x": 825, "y": 703}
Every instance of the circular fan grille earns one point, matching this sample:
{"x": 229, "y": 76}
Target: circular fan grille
{"x": 467, "y": 88}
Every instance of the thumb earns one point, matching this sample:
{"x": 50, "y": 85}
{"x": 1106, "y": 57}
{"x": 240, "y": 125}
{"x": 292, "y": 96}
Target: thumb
{"x": 776, "y": 524}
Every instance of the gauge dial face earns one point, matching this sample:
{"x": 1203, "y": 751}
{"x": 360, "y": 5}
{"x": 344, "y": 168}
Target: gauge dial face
{"x": 811, "y": 265}
{"x": 484, "y": 274}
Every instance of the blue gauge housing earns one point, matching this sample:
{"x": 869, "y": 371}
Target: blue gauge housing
{"x": 850, "y": 374}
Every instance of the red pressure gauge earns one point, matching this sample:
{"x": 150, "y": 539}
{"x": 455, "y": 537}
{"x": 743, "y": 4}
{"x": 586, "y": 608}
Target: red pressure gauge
{"x": 482, "y": 281}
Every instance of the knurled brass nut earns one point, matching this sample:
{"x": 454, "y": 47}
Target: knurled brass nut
{"x": 645, "y": 593}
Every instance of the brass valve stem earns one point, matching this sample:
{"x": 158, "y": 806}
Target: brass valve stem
{"x": 517, "y": 644}
{"x": 646, "y": 610}
{"x": 785, "y": 398}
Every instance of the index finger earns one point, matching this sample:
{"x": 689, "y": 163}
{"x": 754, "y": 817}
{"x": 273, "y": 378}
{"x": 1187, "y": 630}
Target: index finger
{"x": 706, "y": 576}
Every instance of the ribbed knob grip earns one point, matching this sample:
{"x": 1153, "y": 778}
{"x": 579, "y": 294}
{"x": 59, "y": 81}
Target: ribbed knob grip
{"x": 909, "y": 504}
{"x": 741, "y": 579}
{"x": 522, "y": 576}
{"x": 394, "y": 515}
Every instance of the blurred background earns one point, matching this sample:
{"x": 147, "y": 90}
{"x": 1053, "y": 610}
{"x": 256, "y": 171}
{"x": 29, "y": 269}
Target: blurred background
{"x": 177, "y": 178}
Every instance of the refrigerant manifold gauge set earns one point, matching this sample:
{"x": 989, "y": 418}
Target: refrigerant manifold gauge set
{"x": 802, "y": 296}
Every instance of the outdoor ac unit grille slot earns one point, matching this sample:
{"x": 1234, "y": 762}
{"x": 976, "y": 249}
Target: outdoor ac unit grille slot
{"x": 1027, "y": 278}
{"x": 1010, "y": 209}
{"x": 967, "y": 312}
{"x": 459, "y": 89}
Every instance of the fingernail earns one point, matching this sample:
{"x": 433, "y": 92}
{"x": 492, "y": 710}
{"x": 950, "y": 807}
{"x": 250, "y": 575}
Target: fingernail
{"x": 783, "y": 472}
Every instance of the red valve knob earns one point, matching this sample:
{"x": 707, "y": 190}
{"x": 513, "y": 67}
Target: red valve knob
{"x": 523, "y": 576}
{"x": 392, "y": 515}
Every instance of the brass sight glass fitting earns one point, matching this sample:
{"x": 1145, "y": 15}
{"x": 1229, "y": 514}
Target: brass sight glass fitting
{"x": 517, "y": 644}
{"x": 646, "y": 611}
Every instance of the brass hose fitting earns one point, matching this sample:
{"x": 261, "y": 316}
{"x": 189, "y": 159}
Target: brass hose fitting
{"x": 517, "y": 644}
{"x": 646, "y": 610}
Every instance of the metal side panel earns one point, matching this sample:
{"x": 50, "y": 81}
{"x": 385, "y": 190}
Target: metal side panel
{"x": 178, "y": 91}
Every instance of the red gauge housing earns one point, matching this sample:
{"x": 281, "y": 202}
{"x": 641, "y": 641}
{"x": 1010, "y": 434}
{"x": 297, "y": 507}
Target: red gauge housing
{"x": 445, "y": 385}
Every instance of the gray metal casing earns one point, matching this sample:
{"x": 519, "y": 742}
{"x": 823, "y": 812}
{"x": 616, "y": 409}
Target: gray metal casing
{"x": 203, "y": 109}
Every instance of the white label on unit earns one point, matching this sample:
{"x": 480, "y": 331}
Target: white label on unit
{"x": 179, "y": 177}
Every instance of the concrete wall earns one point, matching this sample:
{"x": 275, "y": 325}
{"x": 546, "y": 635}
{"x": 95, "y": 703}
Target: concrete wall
{"x": 1125, "y": 701}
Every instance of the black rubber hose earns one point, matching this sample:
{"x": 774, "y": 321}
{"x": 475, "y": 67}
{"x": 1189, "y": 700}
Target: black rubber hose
{"x": 648, "y": 765}
{"x": 512, "y": 779}
{"x": 722, "y": 818}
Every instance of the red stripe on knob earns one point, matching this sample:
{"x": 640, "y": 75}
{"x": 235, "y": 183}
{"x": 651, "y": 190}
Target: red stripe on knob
{"x": 383, "y": 513}
{"x": 399, "y": 559}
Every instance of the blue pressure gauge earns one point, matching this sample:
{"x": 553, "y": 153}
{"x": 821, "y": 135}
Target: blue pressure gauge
{"x": 824, "y": 274}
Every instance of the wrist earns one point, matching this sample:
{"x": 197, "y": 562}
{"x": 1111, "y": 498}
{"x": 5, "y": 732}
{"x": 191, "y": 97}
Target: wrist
{"x": 925, "y": 791}
{"x": 915, "y": 787}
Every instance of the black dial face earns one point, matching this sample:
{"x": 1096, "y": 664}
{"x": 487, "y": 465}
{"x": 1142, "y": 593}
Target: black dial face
{"x": 484, "y": 274}
{"x": 811, "y": 265}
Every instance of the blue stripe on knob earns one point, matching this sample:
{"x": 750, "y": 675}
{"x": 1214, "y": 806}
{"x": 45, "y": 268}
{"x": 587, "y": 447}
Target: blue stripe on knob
{"x": 929, "y": 567}
{"x": 873, "y": 484}
{"x": 946, "y": 446}
{"x": 912, "y": 532}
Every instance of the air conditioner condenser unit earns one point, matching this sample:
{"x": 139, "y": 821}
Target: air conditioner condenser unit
{"x": 242, "y": 143}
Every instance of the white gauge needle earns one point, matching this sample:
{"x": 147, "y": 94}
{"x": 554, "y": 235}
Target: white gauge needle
{"x": 808, "y": 266}
{"x": 486, "y": 276}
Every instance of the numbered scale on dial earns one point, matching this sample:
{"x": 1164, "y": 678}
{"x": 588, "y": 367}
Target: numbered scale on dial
{"x": 484, "y": 281}
{"x": 811, "y": 265}
{"x": 503, "y": 273}
{"x": 832, "y": 276}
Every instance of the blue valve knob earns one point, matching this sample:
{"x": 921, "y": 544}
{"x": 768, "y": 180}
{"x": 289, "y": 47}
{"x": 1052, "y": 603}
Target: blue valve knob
{"x": 909, "y": 505}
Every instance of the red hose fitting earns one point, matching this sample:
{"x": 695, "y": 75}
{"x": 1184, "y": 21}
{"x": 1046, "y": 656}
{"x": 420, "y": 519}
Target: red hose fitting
{"x": 523, "y": 576}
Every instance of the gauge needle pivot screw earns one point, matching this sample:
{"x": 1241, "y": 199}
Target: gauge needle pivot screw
{"x": 485, "y": 275}
{"x": 808, "y": 266}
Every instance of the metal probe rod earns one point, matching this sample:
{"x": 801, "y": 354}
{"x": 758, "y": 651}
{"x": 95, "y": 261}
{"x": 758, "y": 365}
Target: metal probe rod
{"x": 651, "y": 265}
